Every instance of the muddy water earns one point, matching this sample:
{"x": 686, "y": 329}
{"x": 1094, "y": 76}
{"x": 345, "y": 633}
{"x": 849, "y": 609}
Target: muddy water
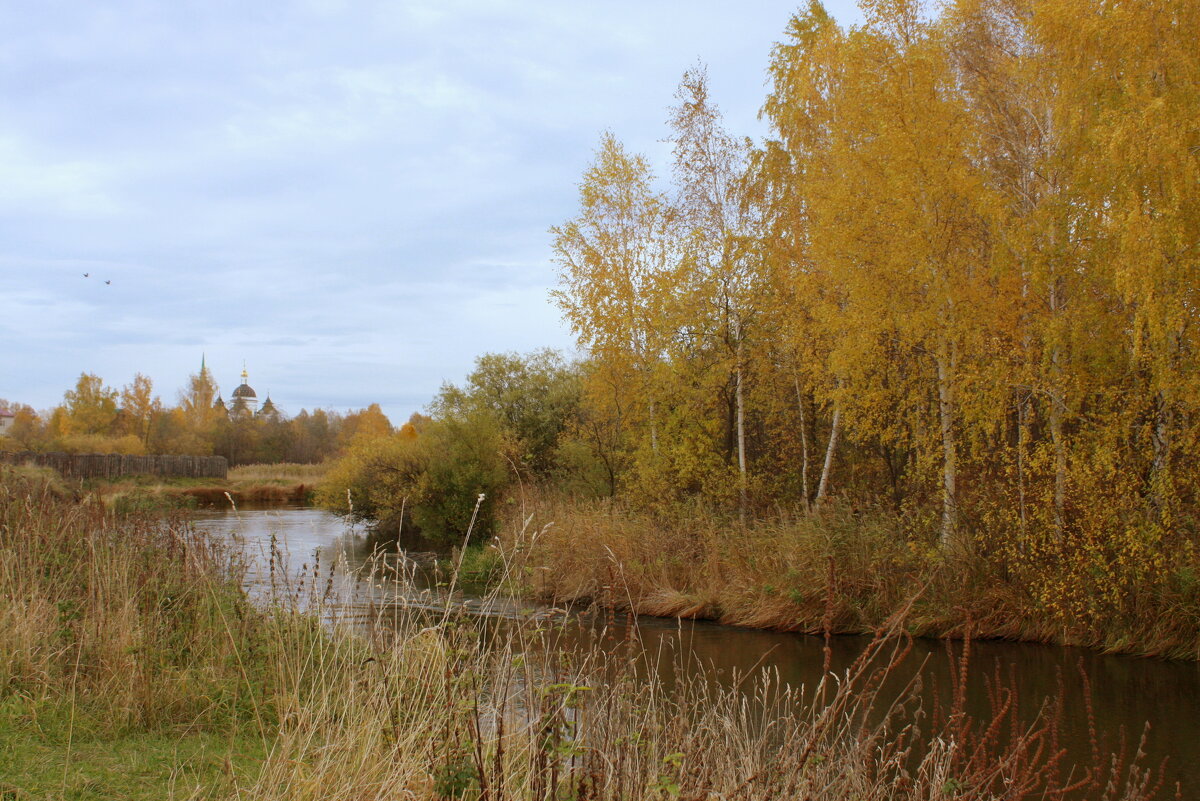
{"x": 1129, "y": 696}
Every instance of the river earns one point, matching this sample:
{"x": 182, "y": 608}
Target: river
{"x": 1127, "y": 693}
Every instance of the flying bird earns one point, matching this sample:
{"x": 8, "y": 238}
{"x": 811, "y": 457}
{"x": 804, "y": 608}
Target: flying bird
{"x": 85, "y": 275}
{"x": 106, "y": 283}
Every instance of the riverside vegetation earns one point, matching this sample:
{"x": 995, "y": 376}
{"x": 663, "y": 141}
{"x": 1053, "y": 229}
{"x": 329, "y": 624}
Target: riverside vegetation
{"x": 936, "y": 332}
{"x": 510, "y": 435}
{"x": 133, "y": 665}
{"x": 280, "y": 483}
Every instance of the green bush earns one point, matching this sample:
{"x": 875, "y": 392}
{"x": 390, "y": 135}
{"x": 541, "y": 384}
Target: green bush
{"x": 433, "y": 477}
{"x": 376, "y": 477}
{"x": 465, "y": 459}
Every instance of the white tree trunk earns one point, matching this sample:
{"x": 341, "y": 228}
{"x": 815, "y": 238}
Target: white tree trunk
{"x": 803, "y": 442}
{"x": 741, "y": 438}
{"x": 1160, "y": 490}
{"x": 1057, "y": 407}
{"x": 946, "y": 414}
{"x": 653, "y": 429}
{"x": 834, "y": 432}
{"x": 1022, "y": 444}
{"x": 1060, "y": 463}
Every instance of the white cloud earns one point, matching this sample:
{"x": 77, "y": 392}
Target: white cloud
{"x": 32, "y": 180}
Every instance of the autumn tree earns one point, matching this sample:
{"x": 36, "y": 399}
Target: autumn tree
{"x": 899, "y": 219}
{"x": 90, "y": 408}
{"x": 139, "y": 406}
{"x": 364, "y": 424}
{"x": 28, "y": 430}
{"x": 720, "y": 254}
{"x": 618, "y": 267}
{"x": 1128, "y": 80}
{"x": 806, "y": 74}
{"x": 532, "y": 397}
{"x": 196, "y": 417}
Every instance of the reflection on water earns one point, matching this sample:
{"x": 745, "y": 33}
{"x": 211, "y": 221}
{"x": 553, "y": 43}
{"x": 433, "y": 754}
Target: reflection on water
{"x": 302, "y": 553}
{"x": 332, "y": 558}
{"x": 287, "y": 546}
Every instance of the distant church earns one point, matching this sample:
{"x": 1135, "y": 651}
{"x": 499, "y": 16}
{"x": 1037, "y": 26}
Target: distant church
{"x": 244, "y": 402}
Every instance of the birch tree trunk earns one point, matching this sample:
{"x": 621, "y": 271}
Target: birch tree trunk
{"x": 947, "y": 413}
{"x": 1022, "y": 444}
{"x": 743, "y": 487}
{"x": 1057, "y": 407}
{"x": 803, "y": 443}
{"x": 653, "y": 428}
{"x": 1161, "y": 465}
{"x": 834, "y": 432}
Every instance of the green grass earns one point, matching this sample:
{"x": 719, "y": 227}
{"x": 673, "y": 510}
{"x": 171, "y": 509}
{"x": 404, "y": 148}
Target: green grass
{"x": 151, "y": 766}
{"x": 482, "y": 566}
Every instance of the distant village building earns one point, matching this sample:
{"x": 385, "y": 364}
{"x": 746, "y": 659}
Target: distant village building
{"x": 245, "y": 399}
{"x": 244, "y": 402}
{"x": 268, "y": 409}
{"x": 7, "y": 419}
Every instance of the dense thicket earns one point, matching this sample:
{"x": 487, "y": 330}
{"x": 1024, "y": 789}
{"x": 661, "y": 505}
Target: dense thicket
{"x": 506, "y": 425}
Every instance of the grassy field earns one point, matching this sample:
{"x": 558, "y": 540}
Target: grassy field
{"x": 153, "y": 765}
{"x": 132, "y": 666}
{"x": 131, "y": 663}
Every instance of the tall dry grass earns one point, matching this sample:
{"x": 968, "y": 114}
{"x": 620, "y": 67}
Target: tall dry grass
{"x": 268, "y": 484}
{"x": 771, "y": 574}
{"x": 777, "y": 573}
{"x": 283, "y": 471}
{"x": 129, "y": 623}
{"x": 118, "y": 623}
{"x": 435, "y": 704}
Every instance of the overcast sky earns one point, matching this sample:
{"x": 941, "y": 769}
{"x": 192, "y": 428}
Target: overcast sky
{"x": 350, "y": 197}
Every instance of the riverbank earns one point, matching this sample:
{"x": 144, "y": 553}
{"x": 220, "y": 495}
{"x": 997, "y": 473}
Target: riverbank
{"x": 846, "y": 570}
{"x": 273, "y": 484}
{"x": 134, "y": 665}
{"x": 131, "y": 664}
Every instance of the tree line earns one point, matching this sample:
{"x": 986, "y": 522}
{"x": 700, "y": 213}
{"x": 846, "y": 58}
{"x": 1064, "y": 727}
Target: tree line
{"x": 97, "y": 418}
{"x": 958, "y": 280}
{"x": 970, "y": 244}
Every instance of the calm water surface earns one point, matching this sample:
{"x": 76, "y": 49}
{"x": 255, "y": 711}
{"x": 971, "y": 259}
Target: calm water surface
{"x": 1127, "y": 693}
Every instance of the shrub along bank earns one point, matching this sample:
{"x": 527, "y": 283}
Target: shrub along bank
{"x": 847, "y": 569}
{"x": 439, "y": 472}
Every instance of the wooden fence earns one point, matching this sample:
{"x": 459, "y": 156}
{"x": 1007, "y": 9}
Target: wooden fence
{"x": 114, "y": 465}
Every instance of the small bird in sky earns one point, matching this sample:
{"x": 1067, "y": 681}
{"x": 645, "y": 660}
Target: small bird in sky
{"x": 107, "y": 283}
{"x": 85, "y": 275}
